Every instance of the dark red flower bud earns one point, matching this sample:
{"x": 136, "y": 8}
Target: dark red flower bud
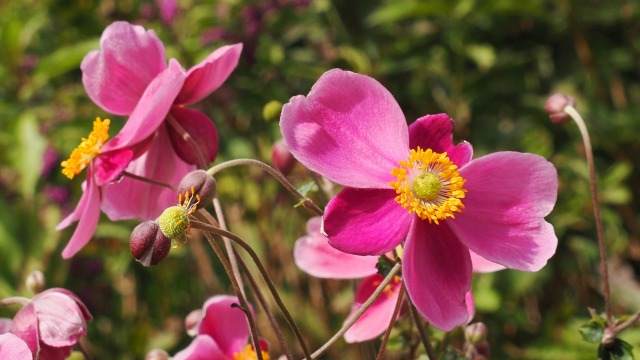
{"x": 203, "y": 185}
{"x": 281, "y": 157}
{"x": 555, "y": 105}
{"x": 148, "y": 244}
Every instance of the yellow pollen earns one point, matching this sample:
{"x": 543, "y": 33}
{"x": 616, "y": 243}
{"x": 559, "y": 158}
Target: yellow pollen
{"x": 429, "y": 184}
{"x": 248, "y": 353}
{"x": 88, "y": 149}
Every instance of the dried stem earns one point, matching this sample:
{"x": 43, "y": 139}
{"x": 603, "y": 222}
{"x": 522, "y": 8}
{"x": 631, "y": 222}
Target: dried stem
{"x": 148, "y": 180}
{"x": 571, "y": 111}
{"x": 396, "y": 311}
{"x": 421, "y": 330}
{"x": 273, "y": 172}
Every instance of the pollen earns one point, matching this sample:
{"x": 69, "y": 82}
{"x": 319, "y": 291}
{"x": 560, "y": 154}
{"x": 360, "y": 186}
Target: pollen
{"x": 248, "y": 353}
{"x": 174, "y": 220}
{"x": 429, "y": 184}
{"x": 88, "y": 149}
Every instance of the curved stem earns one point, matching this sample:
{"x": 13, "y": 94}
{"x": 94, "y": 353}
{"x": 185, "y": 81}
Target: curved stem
{"x": 273, "y": 172}
{"x": 227, "y": 244}
{"x": 265, "y": 276}
{"x": 571, "y": 111}
{"x": 148, "y": 180}
{"x": 15, "y": 300}
{"x": 202, "y": 162}
{"x": 387, "y": 333}
{"x": 421, "y": 330}
{"x": 244, "y": 306}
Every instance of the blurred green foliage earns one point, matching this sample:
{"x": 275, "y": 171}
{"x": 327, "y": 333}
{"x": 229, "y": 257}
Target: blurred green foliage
{"x": 490, "y": 64}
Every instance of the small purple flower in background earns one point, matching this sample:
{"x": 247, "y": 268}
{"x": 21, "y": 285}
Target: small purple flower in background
{"x": 412, "y": 185}
{"x": 222, "y": 333}
{"x": 51, "y": 323}
{"x": 12, "y": 347}
{"x": 168, "y": 10}
{"x": 129, "y": 76}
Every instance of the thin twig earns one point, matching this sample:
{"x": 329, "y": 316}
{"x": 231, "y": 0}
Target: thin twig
{"x": 396, "y": 311}
{"x": 273, "y": 172}
{"x": 571, "y": 111}
{"x": 148, "y": 180}
{"x": 15, "y": 300}
{"x": 421, "y": 330}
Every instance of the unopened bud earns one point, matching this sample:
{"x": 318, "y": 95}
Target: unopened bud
{"x": 35, "y": 281}
{"x": 555, "y": 105}
{"x": 281, "y": 157}
{"x": 148, "y": 244}
{"x": 475, "y": 333}
{"x": 203, "y": 185}
{"x": 192, "y": 322}
{"x": 157, "y": 354}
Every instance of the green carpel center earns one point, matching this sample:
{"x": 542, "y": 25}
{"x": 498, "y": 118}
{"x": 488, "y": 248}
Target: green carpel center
{"x": 426, "y": 186}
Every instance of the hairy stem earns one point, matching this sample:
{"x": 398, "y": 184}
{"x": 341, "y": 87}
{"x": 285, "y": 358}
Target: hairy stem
{"x": 148, "y": 180}
{"x": 396, "y": 311}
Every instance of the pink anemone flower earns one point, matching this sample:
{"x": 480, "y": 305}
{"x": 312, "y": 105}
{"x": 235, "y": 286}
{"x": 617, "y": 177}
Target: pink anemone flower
{"x": 129, "y": 75}
{"x": 51, "y": 324}
{"x": 12, "y": 347}
{"x": 411, "y": 185}
{"x": 222, "y": 333}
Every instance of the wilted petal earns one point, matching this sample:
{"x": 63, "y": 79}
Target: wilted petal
{"x": 375, "y": 320}
{"x": 13, "y": 347}
{"x": 365, "y": 221}
{"x": 87, "y": 213}
{"x": 203, "y": 347}
{"x": 116, "y": 76}
{"x": 435, "y": 132}
{"x": 202, "y": 131}
{"x": 225, "y": 324}
{"x": 508, "y": 195}
{"x": 313, "y": 255}
{"x": 209, "y": 74}
{"x": 436, "y": 269}
{"x": 349, "y": 129}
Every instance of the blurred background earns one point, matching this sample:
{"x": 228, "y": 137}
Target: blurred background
{"x": 489, "y": 64}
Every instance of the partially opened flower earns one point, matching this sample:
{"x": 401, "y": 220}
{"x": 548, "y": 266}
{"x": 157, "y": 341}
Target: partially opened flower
{"x": 413, "y": 186}
{"x": 51, "y": 323}
{"x": 122, "y": 78}
{"x": 222, "y": 333}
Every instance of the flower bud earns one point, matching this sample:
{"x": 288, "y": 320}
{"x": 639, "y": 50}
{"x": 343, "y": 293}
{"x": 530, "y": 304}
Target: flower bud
{"x": 475, "y": 333}
{"x": 281, "y": 157}
{"x": 203, "y": 184}
{"x": 157, "y": 354}
{"x": 35, "y": 281}
{"x": 192, "y": 322}
{"x": 148, "y": 244}
{"x": 555, "y": 105}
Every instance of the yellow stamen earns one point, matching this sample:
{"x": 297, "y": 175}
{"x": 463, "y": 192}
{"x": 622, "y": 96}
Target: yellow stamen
{"x": 88, "y": 149}
{"x": 248, "y": 353}
{"x": 174, "y": 221}
{"x": 429, "y": 185}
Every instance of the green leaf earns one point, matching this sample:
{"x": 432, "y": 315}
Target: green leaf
{"x": 62, "y": 60}
{"x": 592, "y": 332}
{"x": 619, "y": 350}
{"x": 28, "y": 157}
{"x": 304, "y": 190}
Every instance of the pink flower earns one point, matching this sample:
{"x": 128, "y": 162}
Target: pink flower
{"x": 129, "y": 76}
{"x": 51, "y": 324}
{"x": 222, "y": 333}
{"x": 12, "y": 347}
{"x": 413, "y": 186}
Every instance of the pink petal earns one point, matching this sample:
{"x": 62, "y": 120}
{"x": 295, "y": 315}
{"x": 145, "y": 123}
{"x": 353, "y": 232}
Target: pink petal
{"x": 54, "y": 353}
{"x": 313, "y": 255}
{"x": 209, "y": 74}
{"x": 225, "y": 324}
{"x": 5, "y": 325}
{"x": 25, "y": 326}
{"x": 116, "y": 76}
{"x": 202, "y": 131}
{"x": 12, "y": 347}
{"x": 168, "y": 10}
{"x": 108, "y": 166}
{"x": 508, "y": 195}
{"x": 87, "y": 213}
{"x": 471, "y": 305}
{"x": 435, "y": 132}
{"x": 60, "y": 320}
{"x": 85, "y": 312}
{"x": 349, "y": 129}
{"x": 152, "y": 109}
{"x": 203, "y": 347}
{"x": 437, "y": 273}
{"x": 482, "y": 265}
{"x": 135, "y": 199}
{"x": 375, "y": 320}
{"x": 365, "y": 221}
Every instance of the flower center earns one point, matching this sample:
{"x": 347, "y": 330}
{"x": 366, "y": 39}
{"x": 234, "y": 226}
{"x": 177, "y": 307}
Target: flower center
{"x": 429, "y": 184}
{"x": 88, "y": 149}
{"x": 248, "y": 353}
{"x": 174, "y": 221}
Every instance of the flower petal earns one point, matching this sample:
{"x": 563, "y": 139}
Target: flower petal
{"x": 108, "y": 166}
{"x": 152, "y": 109}
{"x": 12, "y": 347}
{"x": 87, "y": 213}
{"x": 313, "y": 255}
{"x": 135, "y": 199}
{"x": 435, "y": 132}
{"x": 116, "y": 76}
{"x": 209, "y": 74}
{"x": 61, "y": 322}
{"x": 5, "y": 325}
{"x": 349, "y": 129}
{"x": 203, "y": 347}
{"x": 225, "y": 324}
{"x": 508, "y": 195}
{"x": 25, "y": 326}
{"x": 375, "y": 320}
{"x": 202, "y": 131}
{"x": 482, "y": 265}
{"x": 437, "y": 273}
{"x": 365, "y": 221}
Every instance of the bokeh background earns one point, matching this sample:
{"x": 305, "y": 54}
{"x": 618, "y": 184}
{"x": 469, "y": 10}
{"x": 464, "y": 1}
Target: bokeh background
{"x": 489, "y": 64}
